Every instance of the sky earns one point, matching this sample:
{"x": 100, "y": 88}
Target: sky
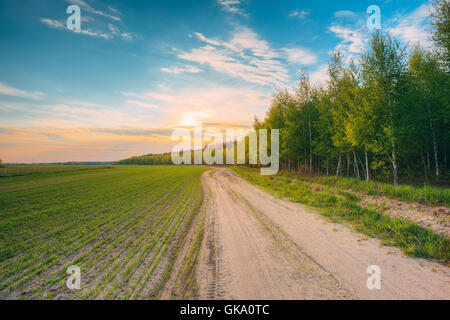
{"x": 137, "y": 70}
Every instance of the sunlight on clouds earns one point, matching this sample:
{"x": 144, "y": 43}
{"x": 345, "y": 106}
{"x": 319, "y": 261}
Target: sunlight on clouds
{"x": 80, "y": 143}
{"x": 141, "y": 104}
{"x": 178, "y": 70}
{"x": 11, "y": 91}
{"x": 221, "y": 102}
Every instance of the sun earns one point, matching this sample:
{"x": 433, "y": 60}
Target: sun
{"x": 189, "y": 120}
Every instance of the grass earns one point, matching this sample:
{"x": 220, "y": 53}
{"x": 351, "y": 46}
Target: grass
{"x": 426, "y": 195}
{"x": 342, "y": 206}
{"x": 120, "y": 224}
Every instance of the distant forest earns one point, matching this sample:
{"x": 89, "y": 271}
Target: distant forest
{"x": 386, "y": 116}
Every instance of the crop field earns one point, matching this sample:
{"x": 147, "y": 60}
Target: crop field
{"x": 121, "y": 225}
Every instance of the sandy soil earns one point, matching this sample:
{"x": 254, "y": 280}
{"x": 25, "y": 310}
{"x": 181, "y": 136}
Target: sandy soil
{"x": 259, "y": 247}
{"x": 436, "y": 218}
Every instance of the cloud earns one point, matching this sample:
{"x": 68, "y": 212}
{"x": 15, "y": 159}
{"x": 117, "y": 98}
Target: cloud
{"x": 353, "y": 41}
{"x": 59, "y": 25}
{"x": 10, "y": 91}
{"x": 59, "y": 143}
{"x": 178, "y": 70}
{"x": 141, "y": 104}
{"x": 299, "y": 14}
{"x": 53, "y": 23}
{"x": 89, "y": 9}
{"x": 232, "y": 6}
{"x": 244, "y": 56}
{"x": 344, "y": 14}
{"x": 114, "y": 29}
{"x": 413, "y": 27}
{"x": 213, "y": 102}
{"x": 319, "y": 77}
{"x": 75, "y": 113}
{"x": 127, "y": 36}
{"x": 300, "y": 56}
{"x": 114, "y": 10}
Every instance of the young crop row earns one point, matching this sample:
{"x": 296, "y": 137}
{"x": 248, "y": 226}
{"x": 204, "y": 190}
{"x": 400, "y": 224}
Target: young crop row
{"x": 119, "y": 227}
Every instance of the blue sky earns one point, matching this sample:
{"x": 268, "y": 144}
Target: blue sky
{"x": 138, "y": 69}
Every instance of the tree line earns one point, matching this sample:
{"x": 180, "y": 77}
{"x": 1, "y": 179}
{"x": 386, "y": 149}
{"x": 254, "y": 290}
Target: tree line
{"x": 386, "y": 116}
{"x": 150, "y": 159}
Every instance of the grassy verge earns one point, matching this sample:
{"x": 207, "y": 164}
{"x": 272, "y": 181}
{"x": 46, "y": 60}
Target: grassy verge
{"x": 414, "y": 240}
{"x": 426, "y": 195}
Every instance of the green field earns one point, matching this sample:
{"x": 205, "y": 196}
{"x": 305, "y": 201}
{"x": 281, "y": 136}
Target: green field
{"x": 121, "y": 225}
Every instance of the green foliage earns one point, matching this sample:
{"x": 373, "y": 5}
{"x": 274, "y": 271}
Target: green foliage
{"x": 441, "y": 24}
{"x": 386, "y": 117}
{"x": 153, "y": 159}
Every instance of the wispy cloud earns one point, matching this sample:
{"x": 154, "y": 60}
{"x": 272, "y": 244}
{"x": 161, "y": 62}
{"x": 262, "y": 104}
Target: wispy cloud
{"x": 354, "y": 41}
{"x": 300, "y": 14}
{"x": 75, "y": 113}
{"x": 60, "y": 25}
{"x": 244, "y": 56}
{"x": 89, "y": 9}
{"x": 185, "y": 69}
{"x": 300, "y": 56}
{"x": 141, "y": 104}
{"x": 53, "y": 23}
{"x": 113, "y": 30}
{"x": 319, "y": 77}
{"x": 344, "y": 14}
{"x": 232, "y": 6}
{"x": 114, "y": 10}
{"x": 59, "y": 143}
{"x": 210, "y": 101}
{"x": 127, "y": 36}
{"x": 413, "y": 27}
{"x": 11, "y": 91}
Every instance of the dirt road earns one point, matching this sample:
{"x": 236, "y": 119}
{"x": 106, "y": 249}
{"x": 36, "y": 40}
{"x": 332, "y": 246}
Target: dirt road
{"x": 259, "y": 247}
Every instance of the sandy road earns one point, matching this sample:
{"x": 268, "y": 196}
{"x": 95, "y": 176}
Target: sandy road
{"x": 259, "y": 247}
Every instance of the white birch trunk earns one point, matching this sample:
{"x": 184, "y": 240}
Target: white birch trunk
{"x": 356, "y": 165}
{"x": 339, "y": 165}
{"x": 367, "y": 166}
